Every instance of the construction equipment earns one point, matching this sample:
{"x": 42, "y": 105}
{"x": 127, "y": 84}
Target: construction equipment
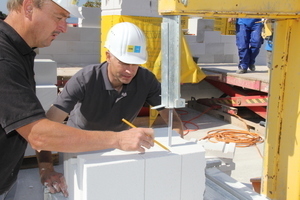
{"x": 281, "y": 175}
{"x": 171, "y": 45}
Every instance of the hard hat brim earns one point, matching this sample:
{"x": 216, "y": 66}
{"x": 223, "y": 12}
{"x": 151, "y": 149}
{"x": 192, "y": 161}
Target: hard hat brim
{"x": 72, "y": 9}
{"x": 132, "y": 59}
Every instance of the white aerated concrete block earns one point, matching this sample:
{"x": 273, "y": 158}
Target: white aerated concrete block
{"x": 230, "y": 48}
{"x": 197, "y": 48}
{"x": 148, "y": 8}
{"x": 46, "y": 94}
{"x": 57, "y": 47}
{"x": 197, "y": 23}
{"x": 120, "y": 185}
{"x": 212, "y": 37}
{"x": 206, "y": 58}
{"x": 45, "y": 72}
{"x": 192, "y": 185}
{"x": 219, "y": 149}
{"x": 73, "y": 34}
{"x": 156, "y": 174}
{"x": 191, "y": 38}
{"x": 193, "y": 25}
{"x": 162, "y": 175}
{"x": 80, "y": 45}
{"x": 91, "y": 17}
{"x": 90, "y": 34}
{"x": 214, "y": 48}
{"x": 228, "y": 39}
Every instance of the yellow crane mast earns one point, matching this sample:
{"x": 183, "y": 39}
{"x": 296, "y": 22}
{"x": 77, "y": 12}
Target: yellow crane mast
{"x": 281, "y": 169}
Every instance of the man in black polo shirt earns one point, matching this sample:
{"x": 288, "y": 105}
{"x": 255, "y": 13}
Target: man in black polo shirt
{"x": 31, "y": 24}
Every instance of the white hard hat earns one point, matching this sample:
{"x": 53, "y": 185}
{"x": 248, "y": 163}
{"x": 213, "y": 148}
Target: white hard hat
{"x": 70, "y": 6}
{"x": 127, "y": 43}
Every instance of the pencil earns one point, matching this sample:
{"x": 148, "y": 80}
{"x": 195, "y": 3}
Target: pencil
{"x": 133, "y": 126}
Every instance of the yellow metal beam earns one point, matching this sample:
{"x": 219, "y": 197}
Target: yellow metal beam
{"x": 272, "y": 9}
{"x": 281, "y": 174}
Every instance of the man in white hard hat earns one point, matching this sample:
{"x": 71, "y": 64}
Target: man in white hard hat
{"x": 30, "y": 24}
{"x": 98, "y": 96}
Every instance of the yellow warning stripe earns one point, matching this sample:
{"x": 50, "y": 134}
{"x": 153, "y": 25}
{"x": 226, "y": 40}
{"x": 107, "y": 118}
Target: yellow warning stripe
{"x": 254, "y": 101}
{"x": 233, "y": 102}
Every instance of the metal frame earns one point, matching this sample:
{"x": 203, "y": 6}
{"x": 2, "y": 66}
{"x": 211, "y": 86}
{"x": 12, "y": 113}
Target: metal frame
{"x": 281, "y": 174}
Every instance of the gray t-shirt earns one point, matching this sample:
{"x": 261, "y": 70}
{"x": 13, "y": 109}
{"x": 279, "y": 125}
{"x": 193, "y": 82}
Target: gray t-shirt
{"x": 93, "y": 104}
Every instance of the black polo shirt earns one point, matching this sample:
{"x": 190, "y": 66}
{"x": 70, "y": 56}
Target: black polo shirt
{"x": 18, "y": 103}
{"x": 93, "y": 104}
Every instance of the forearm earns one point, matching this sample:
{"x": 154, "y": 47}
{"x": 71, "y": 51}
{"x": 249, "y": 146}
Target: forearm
{"x": 55, "y": 114}
{"x": 44, "y": 159}
{"x": 54, "y": 181}
{"x": 47, "y": 135}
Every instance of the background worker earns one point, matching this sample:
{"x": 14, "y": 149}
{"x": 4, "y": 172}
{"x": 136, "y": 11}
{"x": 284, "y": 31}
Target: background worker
{"x": 248, "y": 42}
{"x": 30, "y": 24}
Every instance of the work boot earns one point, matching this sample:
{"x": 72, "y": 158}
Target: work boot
{"x": 252, "y": 67}
{"x": 241, "y": 71}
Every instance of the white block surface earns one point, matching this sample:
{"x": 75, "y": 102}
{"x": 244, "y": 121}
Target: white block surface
{"x": 214, "y": 48}
{"x": 219, "y": 149}
{"x": 91, "y": 17}
{"x": 162, "y": 175}
{"x": 45, "y": 72}
{"x": 157, "y": 174}
{"x": 80, "y": 45}
{"x": 115, "y": 177}
{"x": 73, "y": 34}
{"x": 197, "y": 48}
{"x": 228, "y": 39}
{"x": 46, "y": 94}
{"x": 147, "y": 8}
{"x": 212, "y": 37}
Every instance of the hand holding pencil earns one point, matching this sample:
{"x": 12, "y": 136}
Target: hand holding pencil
{"x": 156, "y": 142}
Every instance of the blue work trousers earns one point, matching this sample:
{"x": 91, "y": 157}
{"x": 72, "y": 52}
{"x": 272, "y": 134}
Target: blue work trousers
{"x": 248, "y": 42}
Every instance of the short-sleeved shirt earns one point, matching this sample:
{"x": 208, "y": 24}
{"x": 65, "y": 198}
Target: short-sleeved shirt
{"x": 94, "y": 104}
{"x": 19, "y": 105}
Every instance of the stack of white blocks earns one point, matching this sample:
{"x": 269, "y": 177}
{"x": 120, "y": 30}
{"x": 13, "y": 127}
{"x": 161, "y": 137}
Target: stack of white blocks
{"x": 79, "y": 46}
{"x": 91, "y": 16}
{"x": 212, "y": 47}
{"x": 146, "y": 8}
{"x": 45, "y": 77}
{"x": 209, "y": 45}
{"x": 156, "y": 174}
